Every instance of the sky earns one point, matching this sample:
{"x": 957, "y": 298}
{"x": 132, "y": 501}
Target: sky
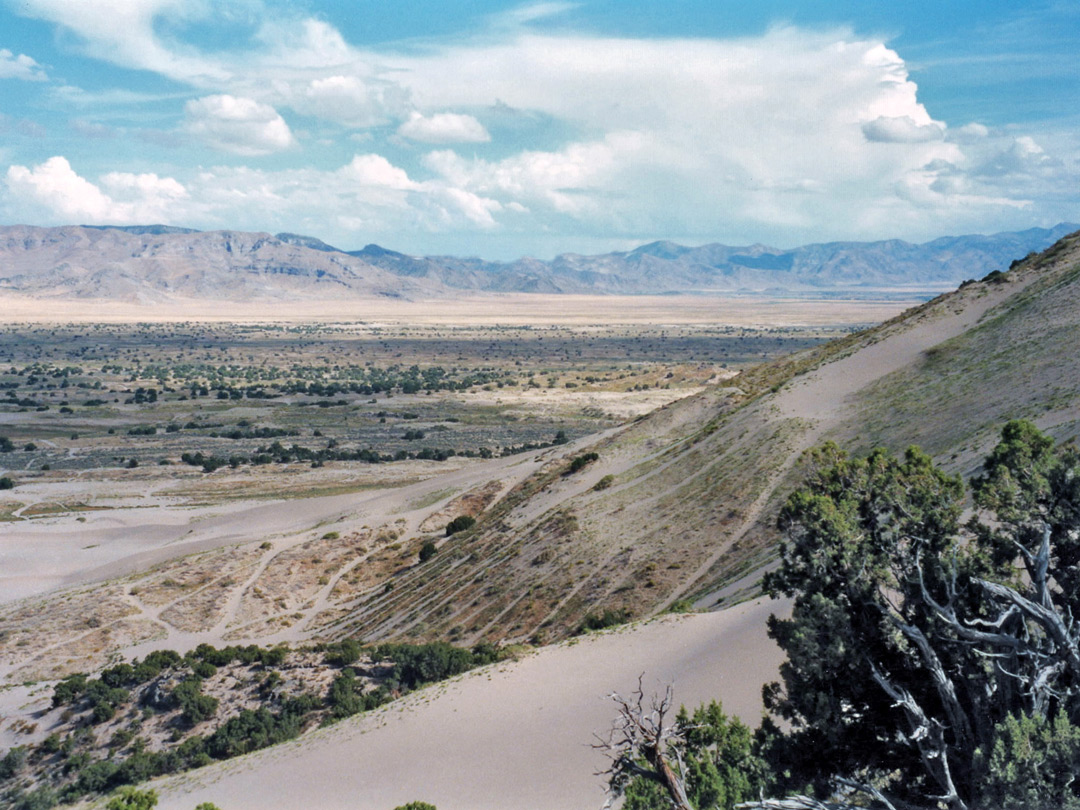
{"x": 495, "y": 129}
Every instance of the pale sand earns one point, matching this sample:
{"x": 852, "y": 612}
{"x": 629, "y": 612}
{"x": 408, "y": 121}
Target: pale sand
{"x": 516, "y": 735}
{"x": 53, "y": 552}
{"x": 478, "y": 309}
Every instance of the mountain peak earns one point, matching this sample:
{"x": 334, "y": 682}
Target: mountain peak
{"x": 306, "y": 241}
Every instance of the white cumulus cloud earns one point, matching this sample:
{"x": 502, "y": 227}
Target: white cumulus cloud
{"x": 20, "y": 66}
{"x": 444, "y": 128}
{"x": 793, "y": 135}
{"x": 1023, "y": 158}
{"x": 239, "y": 125}
{"x": 347, "y": 99}
{"x": 901, "y": 129}
{"x": 55, "y": 186}
{"x": 64, "y": 196}
{"x": 376, "y": 171}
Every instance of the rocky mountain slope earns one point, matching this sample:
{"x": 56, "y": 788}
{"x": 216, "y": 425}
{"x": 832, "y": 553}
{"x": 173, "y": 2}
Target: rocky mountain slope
{"x": 665, "y": 267}
{"x": 159, "y": 263}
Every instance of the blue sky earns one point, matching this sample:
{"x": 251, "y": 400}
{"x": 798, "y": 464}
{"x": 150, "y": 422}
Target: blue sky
{"x": 501, "y": 130}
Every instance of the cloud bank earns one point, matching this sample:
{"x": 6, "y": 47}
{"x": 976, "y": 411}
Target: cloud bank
{"x": 544, "y": 139}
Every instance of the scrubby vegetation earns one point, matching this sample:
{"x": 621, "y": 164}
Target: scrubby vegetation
{"x": 599, "y": 621}
{"x": 137, "y": 720}
{"x": 162, "y": 391}
{"x": 579, "y": 463}
{"x": 460, "y": 524}
{"x": 930, "y": 663}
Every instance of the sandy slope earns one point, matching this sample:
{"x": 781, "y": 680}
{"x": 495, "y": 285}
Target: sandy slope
{"x": 518, "y": 736}
{"x": 45, "y": 554}
{"x": 512, "y": 736}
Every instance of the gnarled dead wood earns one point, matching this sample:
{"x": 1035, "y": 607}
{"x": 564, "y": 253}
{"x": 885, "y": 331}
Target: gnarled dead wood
{"x": 642, "y": 731}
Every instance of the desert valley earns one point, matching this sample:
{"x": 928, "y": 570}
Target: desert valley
{"x": 505, "y": 473}
{"x": 539, "y": 405}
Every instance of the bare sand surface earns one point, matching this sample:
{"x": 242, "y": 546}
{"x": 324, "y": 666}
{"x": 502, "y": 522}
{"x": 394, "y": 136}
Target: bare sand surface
{"x": 516, "y": 735}
{"x": 48, "y": 553}
{"x": 491, "y": 309}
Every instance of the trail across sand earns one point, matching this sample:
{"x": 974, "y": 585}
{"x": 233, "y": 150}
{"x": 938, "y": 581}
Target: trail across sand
{"x": 516, "y": 735}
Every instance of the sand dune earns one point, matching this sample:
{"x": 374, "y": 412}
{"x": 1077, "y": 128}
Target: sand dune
{"x": 516, "y": 735}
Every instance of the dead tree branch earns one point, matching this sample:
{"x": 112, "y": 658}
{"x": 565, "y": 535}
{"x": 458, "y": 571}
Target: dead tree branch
{"x": 639, "y": 733}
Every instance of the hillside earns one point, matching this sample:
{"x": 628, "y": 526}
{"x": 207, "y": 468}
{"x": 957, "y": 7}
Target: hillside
{"x": 153, "y": 264}
{"x": 677, "y": 506}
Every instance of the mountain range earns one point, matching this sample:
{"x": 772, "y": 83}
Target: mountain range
{"x": 152, "y": 263}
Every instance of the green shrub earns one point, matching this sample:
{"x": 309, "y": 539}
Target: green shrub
{"x": 195, "y": 707}
{"x": 12, "y": 762}
{"x": 203, "y": 669}
{"x": 68, "y": 689}
{"x": 131, "y": 798}
{"x": 460, "y": 524}
{"x": 604, "y": 483}
{"x": 343, "y": 653}
{"x": 427, "y": 551}
{"x": 347, "y": 697}
{"x": 117, "y": 675}
{"x": 1033, "y": 764}
{"x": 581, "y": 462}
{"x": 416, "y": 664}
{"x": 609, "y": 618}
{"x": 44, "y": 798}
{"x": 7, "y": 482}
{"x": 722, "y": 767}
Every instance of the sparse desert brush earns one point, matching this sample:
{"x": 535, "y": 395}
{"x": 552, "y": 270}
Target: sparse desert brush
{"x": 604, "y": 483}
{"x": 460, "y": 524}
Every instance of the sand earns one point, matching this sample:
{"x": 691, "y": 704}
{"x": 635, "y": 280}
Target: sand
{"x": 479, "y": 310}
{"x": 515, "y": 735}
{"x": 48, "y": 553}
{"x": 518, "y": 735}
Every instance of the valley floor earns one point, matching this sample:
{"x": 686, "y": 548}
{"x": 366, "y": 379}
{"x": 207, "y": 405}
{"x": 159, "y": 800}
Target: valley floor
{"x": 517, "y": 734}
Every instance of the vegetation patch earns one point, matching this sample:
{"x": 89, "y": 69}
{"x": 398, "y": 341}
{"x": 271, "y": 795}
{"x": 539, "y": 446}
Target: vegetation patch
{"x": 169, "y": 713}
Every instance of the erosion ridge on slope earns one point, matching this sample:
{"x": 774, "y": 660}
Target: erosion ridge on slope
{"x": 685, "y": 507}
{"x": 695, "y": 485}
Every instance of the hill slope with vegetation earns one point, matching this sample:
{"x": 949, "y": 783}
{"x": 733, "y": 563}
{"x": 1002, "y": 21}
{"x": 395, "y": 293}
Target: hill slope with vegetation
{"x": 678, "y": 507}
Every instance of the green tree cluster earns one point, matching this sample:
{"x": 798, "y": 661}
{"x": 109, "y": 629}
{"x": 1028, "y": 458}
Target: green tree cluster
{"x": 933, "y": 662}
{"x": 929, "y": 660}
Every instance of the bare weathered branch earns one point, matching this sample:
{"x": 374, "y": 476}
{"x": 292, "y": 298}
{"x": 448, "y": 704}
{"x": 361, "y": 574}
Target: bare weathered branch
{"x": 792, "y": 803}
{"x": 642, "y": 733}
{"x": 927, "y": 735}
{"x": 869, "y": 790}
{"x": 946, "y": 690}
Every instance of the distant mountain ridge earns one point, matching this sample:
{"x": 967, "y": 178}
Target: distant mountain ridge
{"x": 667, "y": 267}
{"x": 155, "y": 263}
{"x": 160, "y": 262}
